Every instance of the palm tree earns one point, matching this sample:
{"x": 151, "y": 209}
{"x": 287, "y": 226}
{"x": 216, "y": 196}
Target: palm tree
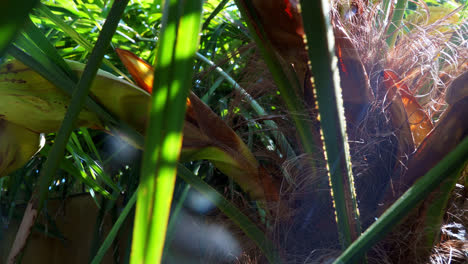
{"x": 389, "y": 120}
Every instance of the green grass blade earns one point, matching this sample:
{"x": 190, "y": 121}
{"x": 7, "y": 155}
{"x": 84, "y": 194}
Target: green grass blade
{"x": 155, "y": 128}
{"x": 32, "y": 32}
{"x": 229, "y": 209}
{"x": 114, "y": 231}
{"x": 12, "y": 14}
{"x": 67, "y": 29}
{"x": 92, "y": 167}
{"x": 78, "y": 99}
{"x": 24, "y": 50}
{"x": 320, "y": 43}
{"x": 216, "y": 84}
{"x": 25, "y": 43}
{"x": 255, "y": 106}
{"x": 213, "y": 14}
{"x": 90, "y": 143}
{"x": 419, "y": 191}
{"x": 68, "y": 166}
{"x": 174, "y": 69}
{"x": 2, "y": 180}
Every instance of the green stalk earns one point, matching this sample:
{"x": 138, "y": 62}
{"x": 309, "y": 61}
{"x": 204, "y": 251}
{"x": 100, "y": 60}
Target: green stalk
{"x": 418, "y": 192}
{"x": 395, "y": 24}
{"x": 174, "y": 67}
{"x": 320, "y": 43}
{"x": 283, "y": 142}
{"x": 114, "y": 231}
{"x": 386, "y": 4}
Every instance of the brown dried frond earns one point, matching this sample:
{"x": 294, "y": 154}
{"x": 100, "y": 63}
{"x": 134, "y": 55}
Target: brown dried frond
{"x": 366, "y": 35}
{"x": 375, "y": 158}
{"x": 427, "y": 59}
{"x": 450, "y": 252}
{"x": 252, "y": 258}
{"x": 453, "y": 245}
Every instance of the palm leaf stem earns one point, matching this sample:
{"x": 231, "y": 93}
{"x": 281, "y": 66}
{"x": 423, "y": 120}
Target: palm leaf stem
{"x": 315, "y": 15}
